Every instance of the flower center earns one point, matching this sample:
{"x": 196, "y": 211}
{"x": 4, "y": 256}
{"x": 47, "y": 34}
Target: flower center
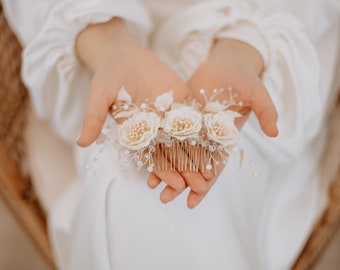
{"x": 137, "y": 130}
{"x": 218, "y": 129}
{"x": 182, "y": 124}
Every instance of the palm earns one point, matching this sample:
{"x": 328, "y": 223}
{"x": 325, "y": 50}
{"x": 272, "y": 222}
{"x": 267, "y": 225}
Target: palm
{"x": 246, "y": 87}
{"x": 144, "y": 77}
{"x": 223, "y": 71}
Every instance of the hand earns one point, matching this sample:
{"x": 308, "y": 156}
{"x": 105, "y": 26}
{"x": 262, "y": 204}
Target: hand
{"x": 238, "y": 65}
{"x": 117, "y": 59}
{"x": 230, "y": 64}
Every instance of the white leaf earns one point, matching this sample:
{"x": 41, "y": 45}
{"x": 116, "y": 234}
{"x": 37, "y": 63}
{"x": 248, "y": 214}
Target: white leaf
{"x": 164, "y": 101}
{"x": 124, "y": 114}
{"x": 234, "y": 114}
{"x": 123, "y": 95}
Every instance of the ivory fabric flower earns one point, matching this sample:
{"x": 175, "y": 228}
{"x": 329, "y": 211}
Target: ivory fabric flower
{"x": 139, "y": 130}
{"x": 221, "y": 127}
{"x": 182, "y": 122}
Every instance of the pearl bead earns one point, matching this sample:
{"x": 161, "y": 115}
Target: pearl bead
{"x": 209, "y": 167}
{"x": 183, "y": 123}
{"x": 219, "y": 129}
{"x": 137, "y": 130}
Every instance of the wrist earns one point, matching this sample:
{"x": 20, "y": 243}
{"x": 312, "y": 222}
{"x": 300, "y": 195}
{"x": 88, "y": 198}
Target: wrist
{"x": 99, "y": 42}
{"x": 239, "y": 53}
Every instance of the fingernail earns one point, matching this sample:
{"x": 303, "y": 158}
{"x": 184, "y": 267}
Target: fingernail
{"x": 164, "y": 200}
{"x": 191, "y": 206}
{"x": 276, "y": 132}
{"x": 78, "y": 137}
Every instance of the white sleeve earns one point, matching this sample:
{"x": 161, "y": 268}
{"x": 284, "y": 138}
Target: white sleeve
{"x": 58, "y": 83}
{"x": 292, "y": 68}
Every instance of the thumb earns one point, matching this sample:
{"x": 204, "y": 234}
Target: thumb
{"x": 265, "y": 111}
{"x": 96, "y": 112}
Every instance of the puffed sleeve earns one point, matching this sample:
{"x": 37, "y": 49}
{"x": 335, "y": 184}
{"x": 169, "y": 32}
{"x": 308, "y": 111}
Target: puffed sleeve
{"x": 291, "y": 64}
{"x": 58, "y": 83}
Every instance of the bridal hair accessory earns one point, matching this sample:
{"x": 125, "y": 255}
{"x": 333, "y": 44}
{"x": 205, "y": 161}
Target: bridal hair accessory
{"x": 165, "y": 135}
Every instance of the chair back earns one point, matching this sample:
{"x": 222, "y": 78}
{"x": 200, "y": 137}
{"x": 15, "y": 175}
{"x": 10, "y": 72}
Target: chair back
{"x": 15, "y": 186}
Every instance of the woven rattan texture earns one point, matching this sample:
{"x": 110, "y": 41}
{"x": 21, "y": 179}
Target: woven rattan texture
{"x": 13, "y": 94}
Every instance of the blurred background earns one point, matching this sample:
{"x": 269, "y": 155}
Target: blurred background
{"x": 17, "y": 253}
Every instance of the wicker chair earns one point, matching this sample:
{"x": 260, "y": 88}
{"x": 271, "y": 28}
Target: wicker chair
{"x": 15, "y": 186}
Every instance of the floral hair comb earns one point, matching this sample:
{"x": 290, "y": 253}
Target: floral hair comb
{"x": 177, "y": 136}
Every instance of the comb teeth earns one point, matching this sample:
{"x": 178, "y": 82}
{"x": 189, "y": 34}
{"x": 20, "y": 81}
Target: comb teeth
{"x": 184, "y": 157}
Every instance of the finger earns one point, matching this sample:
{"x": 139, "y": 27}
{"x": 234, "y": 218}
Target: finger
{"x": 168, "y": 194}
{"x": 153, "y": 181}
{"x": 264, "y": 109}
{"x": 195, "y": 198}
{"x": 99, "y": 103}
{"x": 195, "y": 181}
{"x": 172, "y": 178}
{"x": 189, "y": 171}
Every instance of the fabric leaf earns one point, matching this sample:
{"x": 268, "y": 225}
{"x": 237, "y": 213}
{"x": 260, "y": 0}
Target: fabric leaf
{"x": 164, "y": 101}
{"x": 123, "y": 95}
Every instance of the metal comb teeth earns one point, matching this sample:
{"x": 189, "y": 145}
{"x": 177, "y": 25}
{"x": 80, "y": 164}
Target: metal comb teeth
{"x": 185, "y": 157}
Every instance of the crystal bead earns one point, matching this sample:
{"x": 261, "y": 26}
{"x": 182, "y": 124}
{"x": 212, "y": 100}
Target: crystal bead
{"x": 139, "y": 163}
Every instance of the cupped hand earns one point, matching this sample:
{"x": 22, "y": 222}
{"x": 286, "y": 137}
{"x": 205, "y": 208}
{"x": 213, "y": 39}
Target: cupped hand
{"x": 236, "y": 65}
{"x": 118, "y": 60}
{"x": 141, "y": 73}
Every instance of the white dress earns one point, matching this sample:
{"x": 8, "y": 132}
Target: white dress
{"x": 256, "y": 217}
